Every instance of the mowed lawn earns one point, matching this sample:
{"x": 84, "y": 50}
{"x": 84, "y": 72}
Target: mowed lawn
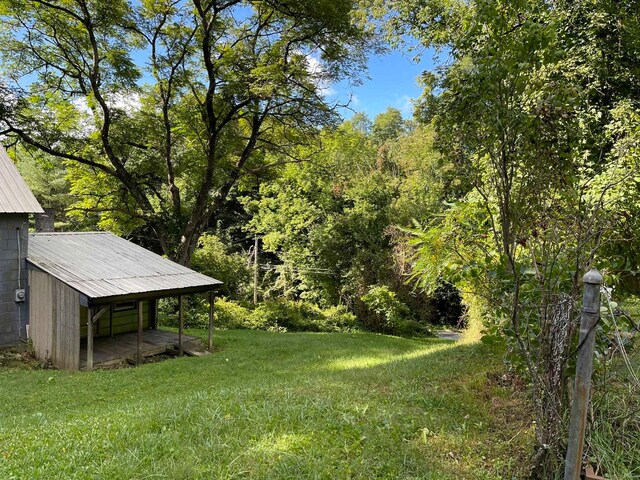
{"x": 271, "y": 405}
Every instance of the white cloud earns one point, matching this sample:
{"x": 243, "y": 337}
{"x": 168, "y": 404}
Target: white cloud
{"x": 319, "y": 74}
{"x": 405, "y": 105}
{"x": 127, "y": 101}
{"x": 314, "y": 66}
{"x": 81, "y": 105}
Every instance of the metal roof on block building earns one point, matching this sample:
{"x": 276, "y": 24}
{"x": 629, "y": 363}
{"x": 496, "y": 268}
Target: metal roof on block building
{"x": 15, "y": 196}
{"x": 105, "y": 267}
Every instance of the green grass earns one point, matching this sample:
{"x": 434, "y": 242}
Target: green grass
{"x": 268, "y": 405}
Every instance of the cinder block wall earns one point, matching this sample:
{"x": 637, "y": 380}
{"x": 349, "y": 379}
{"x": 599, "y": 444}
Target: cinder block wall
{"x": 13, "y": 316}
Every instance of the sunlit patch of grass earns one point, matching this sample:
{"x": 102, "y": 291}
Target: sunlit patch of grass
{"x": 376, "y": 360}
{"x": 270, "y": 406}
{"x": 294, "y": 443}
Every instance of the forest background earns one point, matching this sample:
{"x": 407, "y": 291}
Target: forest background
{"x": 516, "y": 174}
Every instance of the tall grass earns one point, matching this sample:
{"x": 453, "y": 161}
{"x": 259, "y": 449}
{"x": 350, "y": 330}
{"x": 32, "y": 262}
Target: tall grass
{"x": 613, "y": 441}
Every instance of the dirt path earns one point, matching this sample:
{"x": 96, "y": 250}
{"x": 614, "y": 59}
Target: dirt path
{"x": 449, "y": 335}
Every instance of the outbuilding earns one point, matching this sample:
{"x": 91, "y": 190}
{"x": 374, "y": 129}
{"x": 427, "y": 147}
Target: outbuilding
{"x": 87, "y": 288}
{"x": 92, "y": 297}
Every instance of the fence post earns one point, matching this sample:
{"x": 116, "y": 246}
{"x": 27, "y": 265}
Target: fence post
{"x": 584, "y": 367}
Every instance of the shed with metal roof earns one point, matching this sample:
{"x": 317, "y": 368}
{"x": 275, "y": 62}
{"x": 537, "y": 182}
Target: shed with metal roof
{"x": 88, "y": 286}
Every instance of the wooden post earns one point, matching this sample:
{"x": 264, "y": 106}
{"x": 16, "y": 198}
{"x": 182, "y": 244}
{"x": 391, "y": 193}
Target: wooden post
{"x": 140, "y": 324}
{"x": 90, "y": 339}
{"x": 212, "y": 299}
{"x": 255, "y": 270}
{"x": 153, "y": 314}
{"x": 180, "y": 323}
{"x": 111, "y": 320}
{"x": 584, "y": 368}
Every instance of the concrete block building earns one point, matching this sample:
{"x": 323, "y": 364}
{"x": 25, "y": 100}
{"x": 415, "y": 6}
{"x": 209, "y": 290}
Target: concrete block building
{"x": 16, "y": 203}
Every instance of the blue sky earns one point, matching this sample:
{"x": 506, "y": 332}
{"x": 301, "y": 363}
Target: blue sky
{"x": 392, "y": 82}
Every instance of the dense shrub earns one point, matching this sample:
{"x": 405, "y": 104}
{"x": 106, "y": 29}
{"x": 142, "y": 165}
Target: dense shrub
{"x": 384, "y": 309}
{"x": 299, "y": 316}
{"x": 212, "y": 258}
{"x": 412, "y": 328}
{"x": 340, "y": 318}
{"x": 293, "y": 316}
{"x": 284, "y": 315}
{"x": 273, "y": 315}
{"x": 229, "y": 315}
{"x": 387, "y": 314}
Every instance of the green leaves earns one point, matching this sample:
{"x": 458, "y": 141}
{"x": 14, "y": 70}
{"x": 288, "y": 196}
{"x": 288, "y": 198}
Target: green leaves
{"x": 172, "y": 104}
{"x": 528, "y": 108}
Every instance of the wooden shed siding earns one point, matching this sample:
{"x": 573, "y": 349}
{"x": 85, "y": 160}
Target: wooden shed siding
{"x": 67, "y": 304}
{"x": 55, "y": 321}
{"x": 123, "y": 322}
{"x": 41, "y": 312}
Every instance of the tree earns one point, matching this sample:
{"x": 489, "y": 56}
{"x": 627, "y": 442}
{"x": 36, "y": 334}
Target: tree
{"x": 225, "y": 83}
{"x": 388, "y": 125}
{"x": 526, "y": 108}
{"x": 334, "y": 224}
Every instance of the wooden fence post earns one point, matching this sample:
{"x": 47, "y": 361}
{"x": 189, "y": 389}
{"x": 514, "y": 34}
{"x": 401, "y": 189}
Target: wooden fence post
{"x": 90, "y": 339}
{"x": 584, "y": 368}
{"x": 180, "y": 324}
{"x": 212, "y": 299}
{"x": 255, "y": 269}
{"x": 140, "y": 325}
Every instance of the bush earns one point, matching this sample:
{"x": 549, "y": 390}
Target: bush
{"x": 300, "y": 316}
{"x": 339, "y": 318}
{"x": 389, "y": 315}
{"x": 230, "y": 315}
{"x": 212, "y": 258}
{"x": 412, "y": 328}
{"x": 227, "y": 314}
{"x": 272, "y": 315}
{"x": 386, "y": 312}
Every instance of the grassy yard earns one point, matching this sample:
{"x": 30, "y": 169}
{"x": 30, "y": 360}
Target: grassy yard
{"x": 270, "y": 405}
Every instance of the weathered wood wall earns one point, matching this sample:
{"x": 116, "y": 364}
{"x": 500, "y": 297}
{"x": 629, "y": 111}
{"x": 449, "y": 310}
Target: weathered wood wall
{"x": 124, "y": 321}
{"x": 41, "y": 329}
{"x": 54, "y": 320}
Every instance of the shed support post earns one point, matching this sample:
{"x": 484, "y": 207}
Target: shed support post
{"x": 89, "y": 339}
{"x": 153, "y": 314}
{"x": 140, "y": 324}
{"x": 111, "y": 320}
{"x": 180, "y": 323}
{"x": 212, "y": 299}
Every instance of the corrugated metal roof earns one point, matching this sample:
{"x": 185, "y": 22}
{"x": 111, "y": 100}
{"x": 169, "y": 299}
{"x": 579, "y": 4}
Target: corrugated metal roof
{"x": 101, "y": 265}
{"x": 15, "y": 196}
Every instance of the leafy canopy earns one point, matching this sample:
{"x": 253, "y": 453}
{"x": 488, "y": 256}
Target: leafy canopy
{"x": 160, "y": 109}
